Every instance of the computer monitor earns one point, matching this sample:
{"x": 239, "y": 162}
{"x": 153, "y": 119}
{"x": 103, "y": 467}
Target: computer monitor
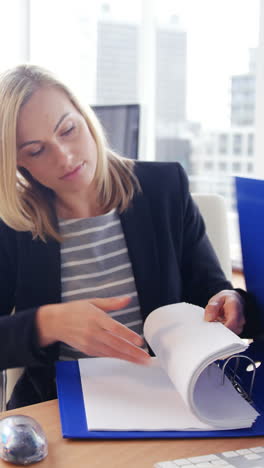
{"x": 121, "y": 126}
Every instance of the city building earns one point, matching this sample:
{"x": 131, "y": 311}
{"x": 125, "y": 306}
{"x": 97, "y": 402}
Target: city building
{"x": 243, "y": 91}
{"x": 117, "y": 79}
{"x": 219, "y": 155}
{"x": 172, "y": 144}
{"x": 171, "y": 76}
{"x": 225, "y": 152}
{"x": 243, "y": 94}
{"x": 117, "y": 63}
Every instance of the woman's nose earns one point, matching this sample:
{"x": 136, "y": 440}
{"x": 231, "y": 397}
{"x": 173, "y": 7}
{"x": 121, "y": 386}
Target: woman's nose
{"x": 63, "y": 155}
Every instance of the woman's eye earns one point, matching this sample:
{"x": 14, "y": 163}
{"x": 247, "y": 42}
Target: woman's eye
{"x": 37, "y": 152}
{"x": 68, "y": 131}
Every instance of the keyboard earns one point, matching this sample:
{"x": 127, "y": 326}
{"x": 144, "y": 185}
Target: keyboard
{"x": 243, "y": 458}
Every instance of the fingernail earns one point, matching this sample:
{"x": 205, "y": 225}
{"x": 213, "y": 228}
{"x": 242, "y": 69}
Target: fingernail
{"x": 146, "y": 360}
{"x": 209, "y": 316}
{"x": 123, "y": 298}
{"x": 139, "y": 340}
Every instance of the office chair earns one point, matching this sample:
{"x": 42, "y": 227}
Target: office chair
{"x": 213, "y": 210}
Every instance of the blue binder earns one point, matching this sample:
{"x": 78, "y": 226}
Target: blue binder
{"x": 73, "y": 419}
{"x": 250, "y": 205}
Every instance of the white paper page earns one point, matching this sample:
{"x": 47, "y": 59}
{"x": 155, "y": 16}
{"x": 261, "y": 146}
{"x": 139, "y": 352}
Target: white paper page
{"x": 186, "y": 344}
{"x": 218, "y": 403}
{"x": 120, "y": 395}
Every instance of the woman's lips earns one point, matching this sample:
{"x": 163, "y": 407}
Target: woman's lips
{"x": 72, "y": 174}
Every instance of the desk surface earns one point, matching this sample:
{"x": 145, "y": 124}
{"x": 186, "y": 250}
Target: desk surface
{"x": 117, "y": 454}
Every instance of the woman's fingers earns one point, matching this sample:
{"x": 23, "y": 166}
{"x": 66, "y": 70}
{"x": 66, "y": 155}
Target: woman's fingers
{"x": 111, "y": 325}
{"x": 234, "y": 318}
{"x": 86, "y": 326}
{"x": 112, "y": 346}
{"x": 110, "y": 338}
{"x": 125, "y": 349}
{"x": 110, "y": 303}
{"x": 226, "y": 307}
{"x": 214, "y": 308}
{"x": 100, "y": 334}
{"x": 118, "y": 329}
{"x": 104, "y": 343}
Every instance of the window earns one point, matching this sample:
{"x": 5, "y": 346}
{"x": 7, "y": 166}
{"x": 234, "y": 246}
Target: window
{"x": 14, "y": 33}
{"x": 250, "y": 167}
{"x": 223, "y": 143}
{"x": 209, "y": 148}
{"x": 222, "y": 166}
{"x": 236, "y": 167}
{"x": 250, "y": 148}
{"x": 114, "y": 52}
{"x": 237, "y": 143}
{"x": 208, "y": 165}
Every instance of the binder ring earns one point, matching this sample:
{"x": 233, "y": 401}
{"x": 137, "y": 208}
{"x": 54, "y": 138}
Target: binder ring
{"x": 233, "y": 379}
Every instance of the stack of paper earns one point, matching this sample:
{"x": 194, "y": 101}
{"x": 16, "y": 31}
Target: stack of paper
{"x": 182, "y": 389}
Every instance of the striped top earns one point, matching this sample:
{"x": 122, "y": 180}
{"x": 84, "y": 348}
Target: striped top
{"x": 95, "y": 263}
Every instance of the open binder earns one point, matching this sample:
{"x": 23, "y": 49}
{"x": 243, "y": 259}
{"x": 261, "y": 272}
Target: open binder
{"x": 72, "y": 407}
{"x": 250, "y": 205}
{"x": 73, "y": 419}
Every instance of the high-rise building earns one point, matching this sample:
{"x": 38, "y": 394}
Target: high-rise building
{"x": 117, "y": 78}
{"x": 243, "y": 99}
{"x": 171, "y": 78}
{"x": 117, "y": 63}
{"x": 219, "y": 155}
{"x": 243, "y": 94}
{"x": 227, "y": 151}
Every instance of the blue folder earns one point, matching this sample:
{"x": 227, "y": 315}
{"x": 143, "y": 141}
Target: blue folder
{"x": 250, "y": 205}
{"x": 73, "y": 419}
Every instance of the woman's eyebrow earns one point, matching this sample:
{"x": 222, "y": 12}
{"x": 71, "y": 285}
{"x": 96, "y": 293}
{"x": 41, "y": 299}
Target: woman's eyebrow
{"x": 59, "y": 122}
{"x": 31, "y": 142}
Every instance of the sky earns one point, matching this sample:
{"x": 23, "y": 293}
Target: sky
{"x": 219, "y": 36}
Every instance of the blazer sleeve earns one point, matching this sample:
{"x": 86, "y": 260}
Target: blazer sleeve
{"x": 202, "y": 275}
{"x": 18, "y": 335}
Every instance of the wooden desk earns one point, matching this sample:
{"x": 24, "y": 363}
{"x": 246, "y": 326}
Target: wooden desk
{"x": 65, "y": 453}
{"x": 238, "y": 280}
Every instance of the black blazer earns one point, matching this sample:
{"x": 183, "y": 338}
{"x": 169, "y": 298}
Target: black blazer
{"x": 171, "y": 257}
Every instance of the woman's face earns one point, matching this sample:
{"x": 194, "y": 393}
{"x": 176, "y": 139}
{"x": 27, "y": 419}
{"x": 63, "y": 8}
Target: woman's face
{"x": 54, "y": 142}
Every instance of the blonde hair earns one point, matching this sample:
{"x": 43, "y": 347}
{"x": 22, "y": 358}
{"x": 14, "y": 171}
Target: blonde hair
{"x": 27, "y": 205}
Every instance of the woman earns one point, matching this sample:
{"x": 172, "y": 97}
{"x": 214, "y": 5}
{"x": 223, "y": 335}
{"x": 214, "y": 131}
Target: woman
{"x": 90, "y": 243}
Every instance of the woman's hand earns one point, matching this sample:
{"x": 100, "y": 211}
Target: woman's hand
{"x": 227, "y": 307}
{"x": 85, "y": 325}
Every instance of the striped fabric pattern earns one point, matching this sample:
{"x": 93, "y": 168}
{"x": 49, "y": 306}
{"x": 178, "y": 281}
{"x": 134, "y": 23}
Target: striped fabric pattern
{"x": 95, "y": 263}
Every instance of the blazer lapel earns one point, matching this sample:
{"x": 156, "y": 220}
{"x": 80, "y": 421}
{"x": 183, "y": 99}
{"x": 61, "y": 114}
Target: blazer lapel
{"x": 142, "y": 249}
